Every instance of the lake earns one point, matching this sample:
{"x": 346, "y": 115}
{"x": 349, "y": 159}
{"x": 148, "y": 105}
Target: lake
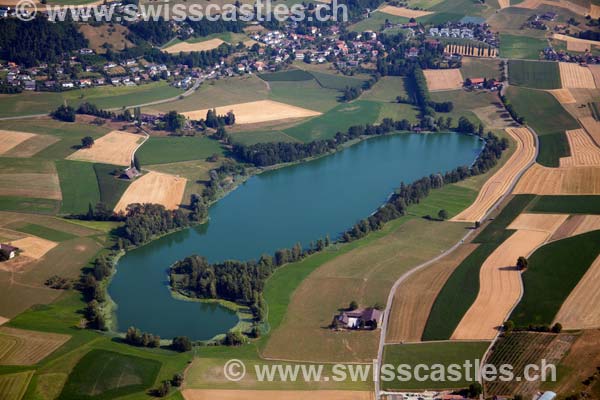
{"x": 273, "y": 210}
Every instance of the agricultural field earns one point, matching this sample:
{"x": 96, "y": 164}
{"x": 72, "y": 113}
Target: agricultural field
{"x": 471, "y": 50}
{"x": 499, "y": 184}
{"x": 30, "y": 103}
{"x": 525, "y": 348}
{"x": 162, "y": 150}
{"x": 79, "y": 186}
{"x": 217, "y": 93}
{"x": 346, "y": 277}
{"x": 306, "y": 94}
{"x": 107, "y": 374}
{"x": 565, "y": 204}
{"x": 115, "y": 148}
{"x": 188, "y": 46}
{"x": 155, "y": 188}
{"x": 23, "y": 177}
{"x": 584, "y": 151}
{"x": 521, "y": 47}
{"x": 13, "y": 386}
{"x": 549, "y": 120}
{"x": 443, "y": 79}
{"x": 534, "y": 74}
{"x": 24, "y": 347}
{"x": 257, "y": 112}
{"x": 473, "y": 67}
{"x": 568, "y": 259}
{"x": 575, "y": 76}
{"x": 444, "y": 353}
{"x": 559, "y": 181}
{"x": 336, "y": 120}
{"x": 404, "y": 12}
{"x": 579, "y": 311}
{"x": 462, "y": 288}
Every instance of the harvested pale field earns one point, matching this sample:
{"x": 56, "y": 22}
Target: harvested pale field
{"x": 564, "y": 96}
{"x": 581, "y": 310}
{"x": 548, "y": 223}
{"x": 114, "y": 148}
{"x": 32, "y": 146}
{"x": 156, "y": 188}
{"x": 214, "y": 394}
{"x": 559, "y": 181}
{"x": 500, "y": 285}
{"x": 504, "y": 3}
{"x": 595, "y": 70}
{"x": 414, "y": 297}
{"x": 186, "y": 47}
{"x": 443, "y": 79}
{"x": 29, "y": 347}
{"x": 575, "y": 76}
{"x": 584, "y": 151}
{"x": 257, "y": 111}
{"x": 576, "y": 44}
{"x": 577, "y": 225}
{"x": 12, "y": 139}
{"x": 501, "y": 182}
{"x": 592, "y": 127}
{"x": 45, "y": 186}
{"x": 472, "y": 51}
{"x": 533, "y": 4}
{"x": 33, "y": 246}
{"x": 594, "y": 11}
{"x": 3, "y": 320}
{"x": 404, "y": 12}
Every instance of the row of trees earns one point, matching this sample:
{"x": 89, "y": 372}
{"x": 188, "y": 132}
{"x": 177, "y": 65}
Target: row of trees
{"x": 92, "y": 288}
{"x": 511, "y": 110}
{"x": 420, "y": 95}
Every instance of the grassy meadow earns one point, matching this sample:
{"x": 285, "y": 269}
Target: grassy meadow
{"x": 162, "y": 150}
{"x": 534, "y": 74}
{"x": 521, "y": 47}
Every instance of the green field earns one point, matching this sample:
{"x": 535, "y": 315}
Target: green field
{"x": 161, "y": 150}
{"x": 46, "y": 233}
{"x": 13, "y": 386}
{"x": 79, "y": 186}
{"x": 521, "y": 47}
{"x": 102, "y": 374}
{"x": 473, "y": 67}
{"x": 339, "y": 119}
{"x": 253, "y": 137}
{"x": 28, "y": 103}
{"x": 549, "y": 120}
{"x": 111, "y": 188}
{"x": 28, "y": 204}
{"x": 461, "y": 289}
{"x": 289, "y": 75}
{"x": 554, "y": 271}
{"x": 337, "y": 82}
{"x": 217, "y": 93}
{"x": 306, "y": 94}
{"x": 534, "y": 74}
{"x": 451, "y": 198}
{"x": 430, "y": 354}
{"x": 566, "y": 204}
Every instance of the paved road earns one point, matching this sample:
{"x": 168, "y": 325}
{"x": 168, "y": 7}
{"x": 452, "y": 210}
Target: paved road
{"x": 152, "y": 103}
